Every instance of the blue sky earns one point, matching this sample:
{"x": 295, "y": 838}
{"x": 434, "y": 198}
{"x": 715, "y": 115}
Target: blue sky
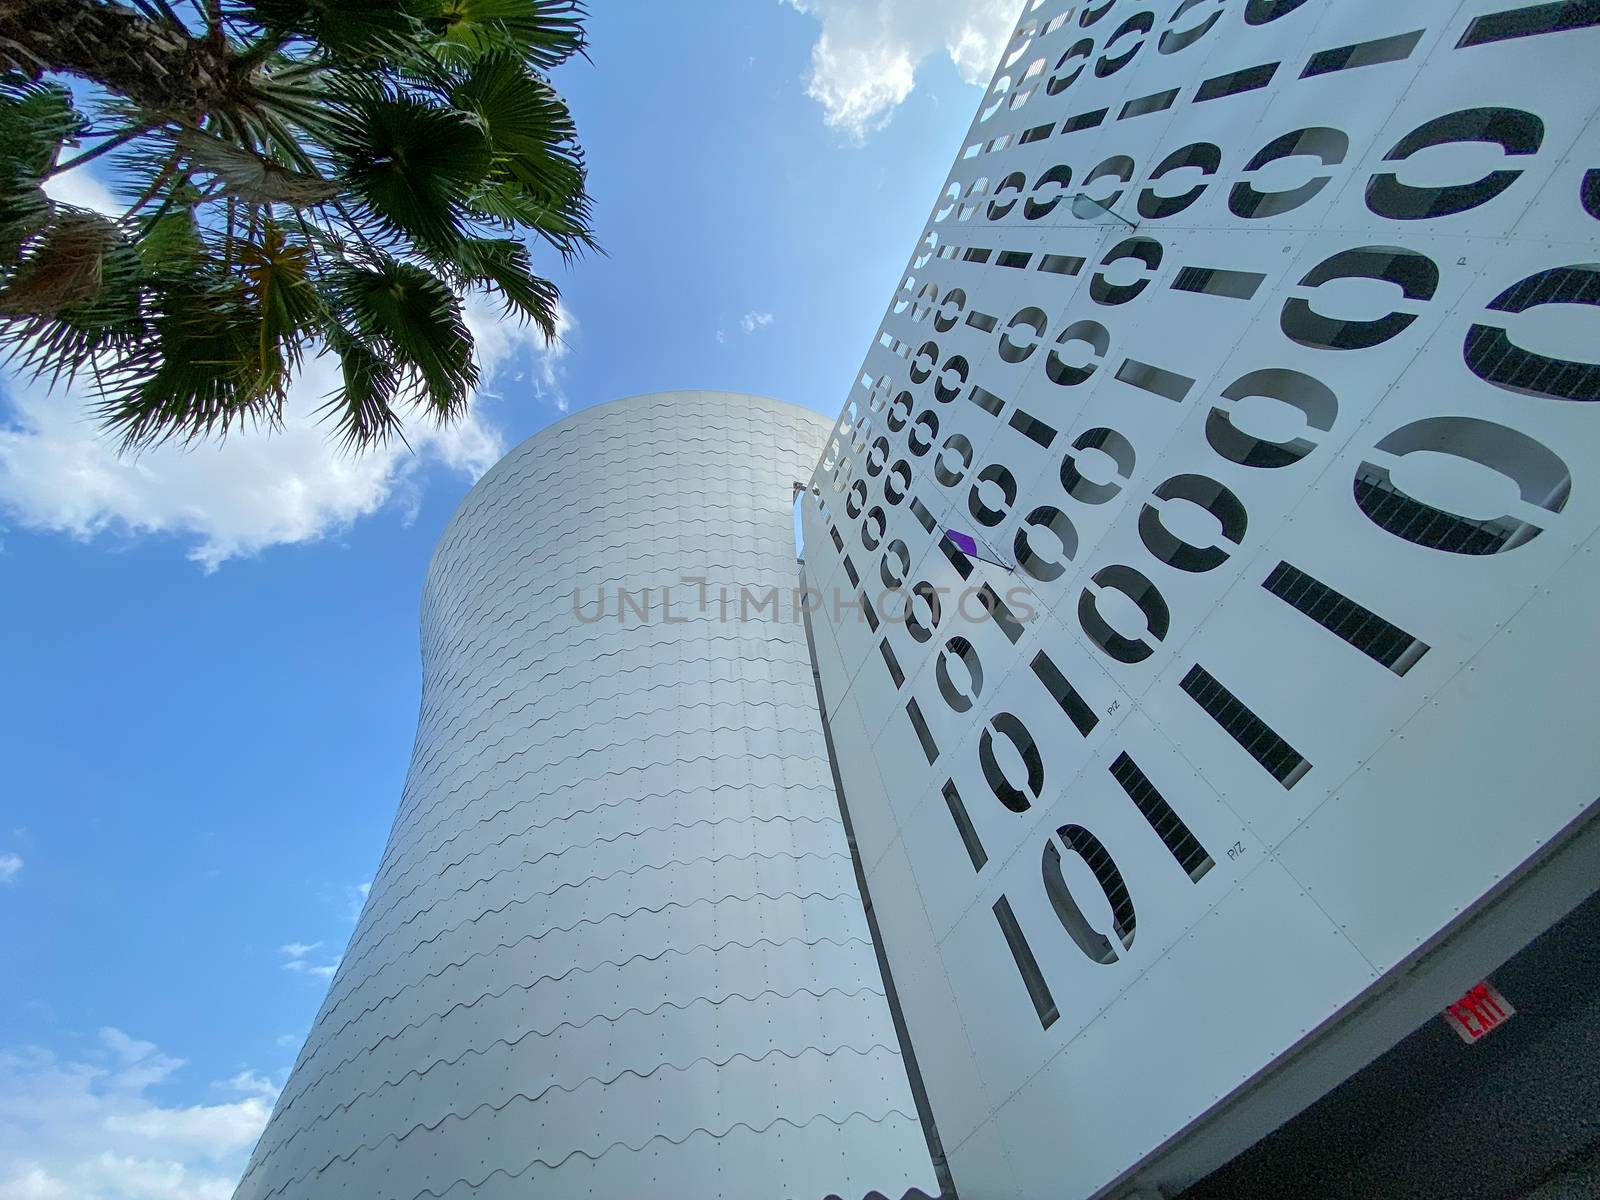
{"x": 210, "y": 658}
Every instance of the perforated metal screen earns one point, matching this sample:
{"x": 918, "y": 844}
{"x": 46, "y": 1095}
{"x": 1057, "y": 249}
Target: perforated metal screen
{"x": 1256, "y": 342}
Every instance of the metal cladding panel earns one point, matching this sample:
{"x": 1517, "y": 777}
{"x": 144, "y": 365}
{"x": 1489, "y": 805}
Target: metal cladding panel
{"x": 1252, "y": 345}
{"x": 615, "y": 945}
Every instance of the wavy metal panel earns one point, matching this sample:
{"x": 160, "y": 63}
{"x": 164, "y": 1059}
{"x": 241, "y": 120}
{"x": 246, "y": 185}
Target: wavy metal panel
{"x": 615, "y": 946}
{"x": 1287, "y": 470}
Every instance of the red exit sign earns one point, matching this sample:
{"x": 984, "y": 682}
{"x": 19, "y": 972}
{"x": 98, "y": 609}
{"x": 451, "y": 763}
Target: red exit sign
{"x": 1481, "y": 1010}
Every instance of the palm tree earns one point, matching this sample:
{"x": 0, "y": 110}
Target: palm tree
{"x": 324, "y": 176}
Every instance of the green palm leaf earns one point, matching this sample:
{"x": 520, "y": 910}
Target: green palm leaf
{"x": 543, "y": 34}
{"x": 352, "y": 31}
{"x": 505, "y": 265}
{"x": 402, "y": 310}
{"x": 363, "y": 407}
{"x": 411, "y": 165}
{"x": 198, "y": 374}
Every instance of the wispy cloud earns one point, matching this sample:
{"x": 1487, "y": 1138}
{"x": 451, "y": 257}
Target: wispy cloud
{"x": 551, "y": 374}
{"x": 753, "y": 321}
{"x": 252, "y": 1083}
{"x": 10, "y": 867}
{"x": 86, "y": 1129}
{"x": 295, "y": 959}
{"x": 355, "y": 898}
{"x": 864, "y": 63}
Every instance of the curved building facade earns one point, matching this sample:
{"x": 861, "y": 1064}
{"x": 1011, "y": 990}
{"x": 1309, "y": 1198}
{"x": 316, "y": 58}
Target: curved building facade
{"x": 615, "y": 946}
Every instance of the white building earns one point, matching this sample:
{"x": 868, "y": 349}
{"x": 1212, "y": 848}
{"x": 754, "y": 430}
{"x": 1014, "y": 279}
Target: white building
{"x": 1292, "y": 459}
{"x": 615, "y": 946}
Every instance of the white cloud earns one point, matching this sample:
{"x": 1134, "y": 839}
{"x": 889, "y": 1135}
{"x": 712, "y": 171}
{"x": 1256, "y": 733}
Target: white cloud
{"x": 256, "y": 489}
{"x": 88, "y": 1130}
{"x": 290, "y": 1041}
{"x": 82, "y": 190}
{"x": 10, "y": 867}
{"x": 550, "y": 368}
{"x": 295, "y": 955}
{"x": 250, "y": 1083}
{"x": 753, "y": 321}
{"x": 356, "y": 898}
{"x": 865, "y": 60}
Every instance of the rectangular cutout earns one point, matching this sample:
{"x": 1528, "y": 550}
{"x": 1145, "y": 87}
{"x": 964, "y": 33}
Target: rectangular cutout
{"x": 986, "y": 400}
{"x": 1341, "y": 616}
{"x": 1363, "y": 54}
{"x": 982, "y": 321}
{"x": 924, "y": 517}
{"x": 1063, "y": 693}
{"x": 893, "y": 663}
{"x": 1159, "y": 102}
{"x": 1231, "y": 84}
{"x": 969, "y": 835}
{"x": 1184, "y": 847}
{"x": 1214, "y": 281}
{"x": 1032, "y": 428}
{"x": 1087, "y": 120}
{"x": 1027, "y": 966}
{"x": 1000, "y": 614}
{"x": 850, "y": 570}
{"x": 1562, "y": 17}
{"x": 1061, "y": 264}
{"x": 1016, "y": 259}
{"x": 866, "y": 611}
{"x": 1280, "y": 760}
{"x": 1037, "y": 134}
{"x": 957, "y": 559}
{"x": 838, "y": 542}
{"x": 914, "y": 711}
{"x": 976, "y": 254}
{"x": 1158, "y": 382}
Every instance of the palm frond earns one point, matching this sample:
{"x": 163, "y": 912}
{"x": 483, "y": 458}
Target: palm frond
{"x": 36, "y": 119}
{"x": 85, "y": 337}
{"x": 506, "y": 267}
{"x": 63, "y": 266}
{"x": 199, "y": 372}
{"x": 354, "y": 32}
{"x": 253, "y": 177}
{"x": 362, "y": 408}
{"x": 411, "y": 315}
{"x": 544, "y": 33}
{"x": 411, "y": 165}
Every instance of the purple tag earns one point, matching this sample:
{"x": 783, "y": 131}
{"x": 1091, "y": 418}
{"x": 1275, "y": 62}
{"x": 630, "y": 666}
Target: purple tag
{"x": 962, "y": 543}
